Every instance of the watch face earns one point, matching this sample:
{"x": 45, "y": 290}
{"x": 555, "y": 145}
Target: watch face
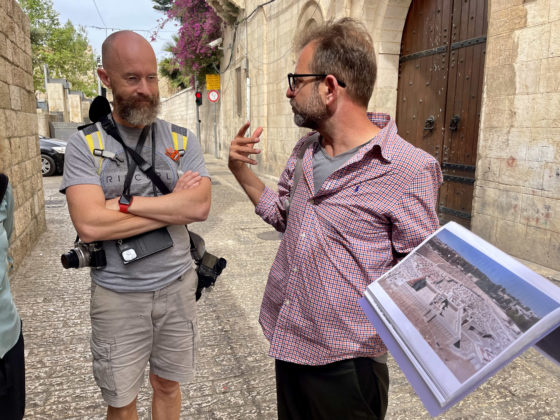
{"x": 125, "y": 199}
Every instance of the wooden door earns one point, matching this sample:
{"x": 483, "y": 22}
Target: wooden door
{"x": 440, "y": 91}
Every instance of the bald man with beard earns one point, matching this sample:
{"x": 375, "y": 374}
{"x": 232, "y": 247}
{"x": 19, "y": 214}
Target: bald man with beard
{"x": 142, "y": 312}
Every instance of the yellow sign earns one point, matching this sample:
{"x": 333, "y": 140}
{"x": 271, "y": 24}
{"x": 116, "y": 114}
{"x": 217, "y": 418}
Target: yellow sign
{"x": 212, "y": 82}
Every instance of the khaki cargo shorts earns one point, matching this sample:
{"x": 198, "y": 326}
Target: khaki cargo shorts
{"x": 131, "y": 329}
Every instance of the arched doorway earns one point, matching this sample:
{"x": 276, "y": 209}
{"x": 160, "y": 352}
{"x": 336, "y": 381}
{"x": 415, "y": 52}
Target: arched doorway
{"x": 440, "y": 90}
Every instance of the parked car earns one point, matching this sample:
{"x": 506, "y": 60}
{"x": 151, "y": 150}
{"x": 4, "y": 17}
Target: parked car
{"x": 52, "y": 155}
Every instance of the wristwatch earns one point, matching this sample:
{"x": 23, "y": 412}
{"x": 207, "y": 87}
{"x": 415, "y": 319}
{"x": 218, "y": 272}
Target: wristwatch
{"x": 124, "y": 203}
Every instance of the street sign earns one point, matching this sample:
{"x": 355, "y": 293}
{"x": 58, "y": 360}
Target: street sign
{"x": 213, "y": 82}
{"x": 213, "y": 95}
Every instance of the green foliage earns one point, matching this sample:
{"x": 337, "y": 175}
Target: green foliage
{"x": 169, "y": 68}
{"x": 63, "y": 48}
{"x": 192, "y": 57}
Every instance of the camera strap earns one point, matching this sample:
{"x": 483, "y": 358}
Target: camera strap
{"x": 109, "y": 126}
{"x": 144, "y": 166}
{"x": 132, "y": 165}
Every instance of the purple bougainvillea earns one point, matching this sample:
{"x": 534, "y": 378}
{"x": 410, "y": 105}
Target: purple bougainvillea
{"x": 199, "y": 26}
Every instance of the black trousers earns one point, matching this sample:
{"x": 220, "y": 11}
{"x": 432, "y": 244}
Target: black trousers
{"x": 12, "y": 383}
{"x": 349, "y": 389}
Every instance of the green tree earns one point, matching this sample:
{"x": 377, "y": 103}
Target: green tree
{"x": 169, "y": 68}
{"x": 63, "y": 48}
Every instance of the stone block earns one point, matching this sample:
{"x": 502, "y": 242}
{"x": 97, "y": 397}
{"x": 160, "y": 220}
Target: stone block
{"x": 551, "y": 178}
{"x": 538, "y": 12}
{"x": 501, "y": 80}
{"x": 554, "y": 11}
{"x": 521, "y": 173}
{"x": 9, "y": 50}
{"x": 554, "y": 49}
{"x": 11, "y": 122}
{"x": 4, "y": 96}
{"x": 3, "y": 43}
{"x": 33, "y": 149}
{"x": 504, "y": 142}
{"x": 506, "y": 20}
{"x": 554, "y": 250}
{"x": 500, "y": 5}
{"x": 511, "y": 238}
{"x": 3, "y": 123}
{"x": 537, "y": 245}
{"x": 497, "y": 112}
{"x": 15, "y": 98}
{"x": 498, "y": 203}
{"x": 488, "y": 169}
{"x": 29, "y": 102}
{"x": 5, "y": 152}
{"x": 16, "y": 152}
{"x": 483, "y": 225}
{"x": 546, "y": 110}
{"x": 533, "y": 43}
{"x": 527, "y": 77}
{"x": 550, "y": 75}
{"x": 541, "y": 212}
{"x": 4, "y": 67}
{"x": 523, "y": 110}
{"x": 540, "y": 152}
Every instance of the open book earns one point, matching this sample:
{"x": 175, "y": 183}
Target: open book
{"x": 456, "y": 310}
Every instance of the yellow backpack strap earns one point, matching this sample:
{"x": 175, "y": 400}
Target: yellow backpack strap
{"x": 94, "y": 140}
{"x": 179, "y": 135}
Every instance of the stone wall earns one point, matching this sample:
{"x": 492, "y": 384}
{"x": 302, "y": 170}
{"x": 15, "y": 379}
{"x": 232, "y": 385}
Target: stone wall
{"x": 180, "y": 109}
{"x": 517, "y": 189}
{"x": 517, "y": 192}
{"x": 19, "y": 145}
{"x": 263, "y": 50}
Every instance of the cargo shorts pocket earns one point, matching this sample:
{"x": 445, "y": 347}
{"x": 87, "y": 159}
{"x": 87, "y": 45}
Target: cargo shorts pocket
{"x": 102, "y": 369}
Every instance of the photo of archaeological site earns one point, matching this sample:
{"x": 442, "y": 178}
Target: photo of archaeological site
{"x": 466, "y": 305}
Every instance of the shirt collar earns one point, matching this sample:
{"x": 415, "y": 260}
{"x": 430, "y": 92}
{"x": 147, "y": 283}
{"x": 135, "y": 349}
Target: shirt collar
{"x": 383, "y": 140}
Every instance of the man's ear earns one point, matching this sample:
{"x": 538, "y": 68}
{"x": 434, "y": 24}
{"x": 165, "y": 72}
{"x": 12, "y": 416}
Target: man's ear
{"x": 332, "y": 88}
{"x": 102, "y": 73}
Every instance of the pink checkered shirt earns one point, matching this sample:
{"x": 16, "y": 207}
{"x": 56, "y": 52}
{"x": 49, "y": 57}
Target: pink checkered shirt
{"x": 338, "y": 241}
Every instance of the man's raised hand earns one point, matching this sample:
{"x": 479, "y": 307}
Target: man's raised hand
{"x": 242, "y": 147}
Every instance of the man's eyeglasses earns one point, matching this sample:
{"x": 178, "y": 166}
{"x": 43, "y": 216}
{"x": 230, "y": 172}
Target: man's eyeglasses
{"x": 294, "y": 83}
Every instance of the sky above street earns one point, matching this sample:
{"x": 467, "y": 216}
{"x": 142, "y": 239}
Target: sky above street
{"x": 137, "y": 15}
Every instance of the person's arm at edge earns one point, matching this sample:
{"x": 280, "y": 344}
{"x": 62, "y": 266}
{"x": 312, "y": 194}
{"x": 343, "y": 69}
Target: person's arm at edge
{"x": 240, "y": 149}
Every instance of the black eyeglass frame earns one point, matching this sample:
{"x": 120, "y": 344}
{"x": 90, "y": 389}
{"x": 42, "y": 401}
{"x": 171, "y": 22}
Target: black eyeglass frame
{"x": 292, "y": 76}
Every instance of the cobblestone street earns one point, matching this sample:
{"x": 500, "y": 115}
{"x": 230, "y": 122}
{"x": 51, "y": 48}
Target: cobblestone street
{"x": 235, "y": 377}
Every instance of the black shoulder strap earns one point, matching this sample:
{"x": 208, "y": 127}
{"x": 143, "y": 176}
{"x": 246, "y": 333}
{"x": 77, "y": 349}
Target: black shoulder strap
{"x": 298, "y": 171}
{"x": 3, "y": 185}
{"x": 144, "y": 166}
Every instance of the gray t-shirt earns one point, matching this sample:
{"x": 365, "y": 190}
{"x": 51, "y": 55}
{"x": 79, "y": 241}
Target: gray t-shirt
{"x": 155, "y": 271}
{"x": 324, "y": 165}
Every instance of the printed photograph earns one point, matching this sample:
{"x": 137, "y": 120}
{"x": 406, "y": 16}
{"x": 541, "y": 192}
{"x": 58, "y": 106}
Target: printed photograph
{"x": 466, "y": 305}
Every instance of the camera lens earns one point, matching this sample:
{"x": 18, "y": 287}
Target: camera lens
{"x": 70, "y": 259}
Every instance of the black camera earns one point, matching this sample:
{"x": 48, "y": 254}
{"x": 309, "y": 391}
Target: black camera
{"x": 84, "y": 255}
{"x": 208, "y": 268}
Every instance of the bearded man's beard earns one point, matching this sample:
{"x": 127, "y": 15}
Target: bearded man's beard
{"x": 311, "y": 113}
{"x": 137, "y": 110}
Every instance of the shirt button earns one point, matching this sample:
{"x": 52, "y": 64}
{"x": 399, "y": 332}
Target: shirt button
{"x": 294, "y": 269}
{"x": 287, "y": 302}
{"x": 303, "y": 235}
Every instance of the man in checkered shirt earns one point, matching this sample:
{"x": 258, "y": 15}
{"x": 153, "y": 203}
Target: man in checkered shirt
{"x": 362, "y": 197}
